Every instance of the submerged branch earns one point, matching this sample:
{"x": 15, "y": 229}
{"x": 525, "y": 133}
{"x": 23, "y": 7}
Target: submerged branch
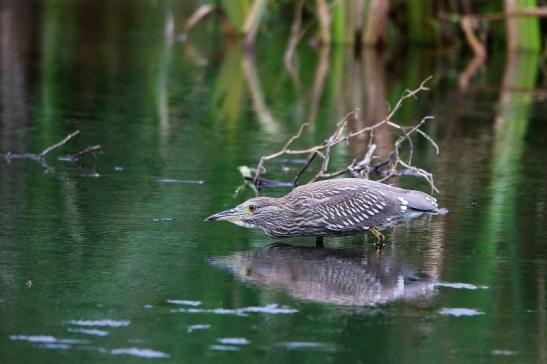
{"x": 42, "y": 156}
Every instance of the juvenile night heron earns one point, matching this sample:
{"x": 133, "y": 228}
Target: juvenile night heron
{"x": 341, "y": 206}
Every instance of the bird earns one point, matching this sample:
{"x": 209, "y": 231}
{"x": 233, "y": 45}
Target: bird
{"x": 341, "y": 206}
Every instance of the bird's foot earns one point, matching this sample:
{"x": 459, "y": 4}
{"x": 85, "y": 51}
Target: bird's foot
{"x": 380, "y": 238}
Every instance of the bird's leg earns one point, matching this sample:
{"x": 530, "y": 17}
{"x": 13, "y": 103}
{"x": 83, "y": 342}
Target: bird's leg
{"x": 380, "y": 238}
{"x": 319, "y": 242}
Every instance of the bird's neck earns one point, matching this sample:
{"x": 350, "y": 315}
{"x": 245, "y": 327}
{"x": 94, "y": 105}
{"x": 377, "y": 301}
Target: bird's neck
{"x": 280, "y": 220}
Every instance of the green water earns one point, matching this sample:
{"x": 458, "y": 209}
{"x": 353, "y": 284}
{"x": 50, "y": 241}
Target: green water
{"x": 108, "y": 262}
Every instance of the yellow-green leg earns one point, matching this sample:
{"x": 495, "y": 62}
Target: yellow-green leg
{"x": 380, "y": 238}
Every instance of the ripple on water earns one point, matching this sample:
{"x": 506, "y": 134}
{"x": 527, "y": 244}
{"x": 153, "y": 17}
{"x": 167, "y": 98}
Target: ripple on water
{"x": 55, "y": 346}
{"x": 273, "y": 309}
{"x": 140, "y": 352}
{"x": 234, "y": 341}
{"x": 100, "y": 323}
{"x": 185, "y": 302}
{"x": 198, "y": 327}
{"x": 460, "y": 312}
{"x": 49, "y": 342}
{"x": 184, "y": 181}
{"x": 504, "y": 352}
{"x": 161, "y": 219}
{"x": 93, "y": 332}
{"x": 224, "y": 348}
{"x": 305, "y": 345}
{"x": 46, "y": 339}
{"x": 459, "y": 285}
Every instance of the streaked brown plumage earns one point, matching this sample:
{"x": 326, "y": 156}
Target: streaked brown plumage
{"x": 332, "y": 207}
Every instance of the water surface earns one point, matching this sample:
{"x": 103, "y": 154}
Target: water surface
{"x": 111, "y": 260}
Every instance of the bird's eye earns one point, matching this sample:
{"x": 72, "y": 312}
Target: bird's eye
{"x": 252, "y": 208}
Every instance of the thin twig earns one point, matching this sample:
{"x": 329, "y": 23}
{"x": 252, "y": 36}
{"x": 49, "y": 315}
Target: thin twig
{"x": 306, "y": 165}
{"x": 57, "y": 145}
{"x": 363, "y": 165}
{"x": 429, "y": 139}
{"x": 90, "y": 149}
{"x": 260, "y": 165}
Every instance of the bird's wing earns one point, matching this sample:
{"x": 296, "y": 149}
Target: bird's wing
{"x": 346, "y": 209}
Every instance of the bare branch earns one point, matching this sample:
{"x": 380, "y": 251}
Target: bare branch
{"x": 421, "y": 172}
{"x": 57, "y": 145}
{"x": 308, "y": 162}
{"x": 364, "y": 164}
{"x": 386, "y": 169}
{"x": 429, "y": 139}
{"x": 41, "y": 157}
{"x": 90, "y": 149}
{"x": 285, "y": 150}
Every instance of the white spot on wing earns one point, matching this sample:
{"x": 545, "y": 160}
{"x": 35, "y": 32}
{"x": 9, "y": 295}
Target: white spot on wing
{"x": 403, "y": 201}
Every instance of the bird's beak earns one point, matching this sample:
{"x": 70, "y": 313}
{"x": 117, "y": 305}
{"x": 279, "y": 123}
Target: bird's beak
{"x": 231, "y": 214}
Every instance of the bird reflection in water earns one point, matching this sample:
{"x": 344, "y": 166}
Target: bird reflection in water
{"x": 334, "y": 276}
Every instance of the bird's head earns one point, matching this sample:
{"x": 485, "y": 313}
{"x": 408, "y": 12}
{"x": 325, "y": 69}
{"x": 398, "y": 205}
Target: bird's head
{"x": 253, "y": 213}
